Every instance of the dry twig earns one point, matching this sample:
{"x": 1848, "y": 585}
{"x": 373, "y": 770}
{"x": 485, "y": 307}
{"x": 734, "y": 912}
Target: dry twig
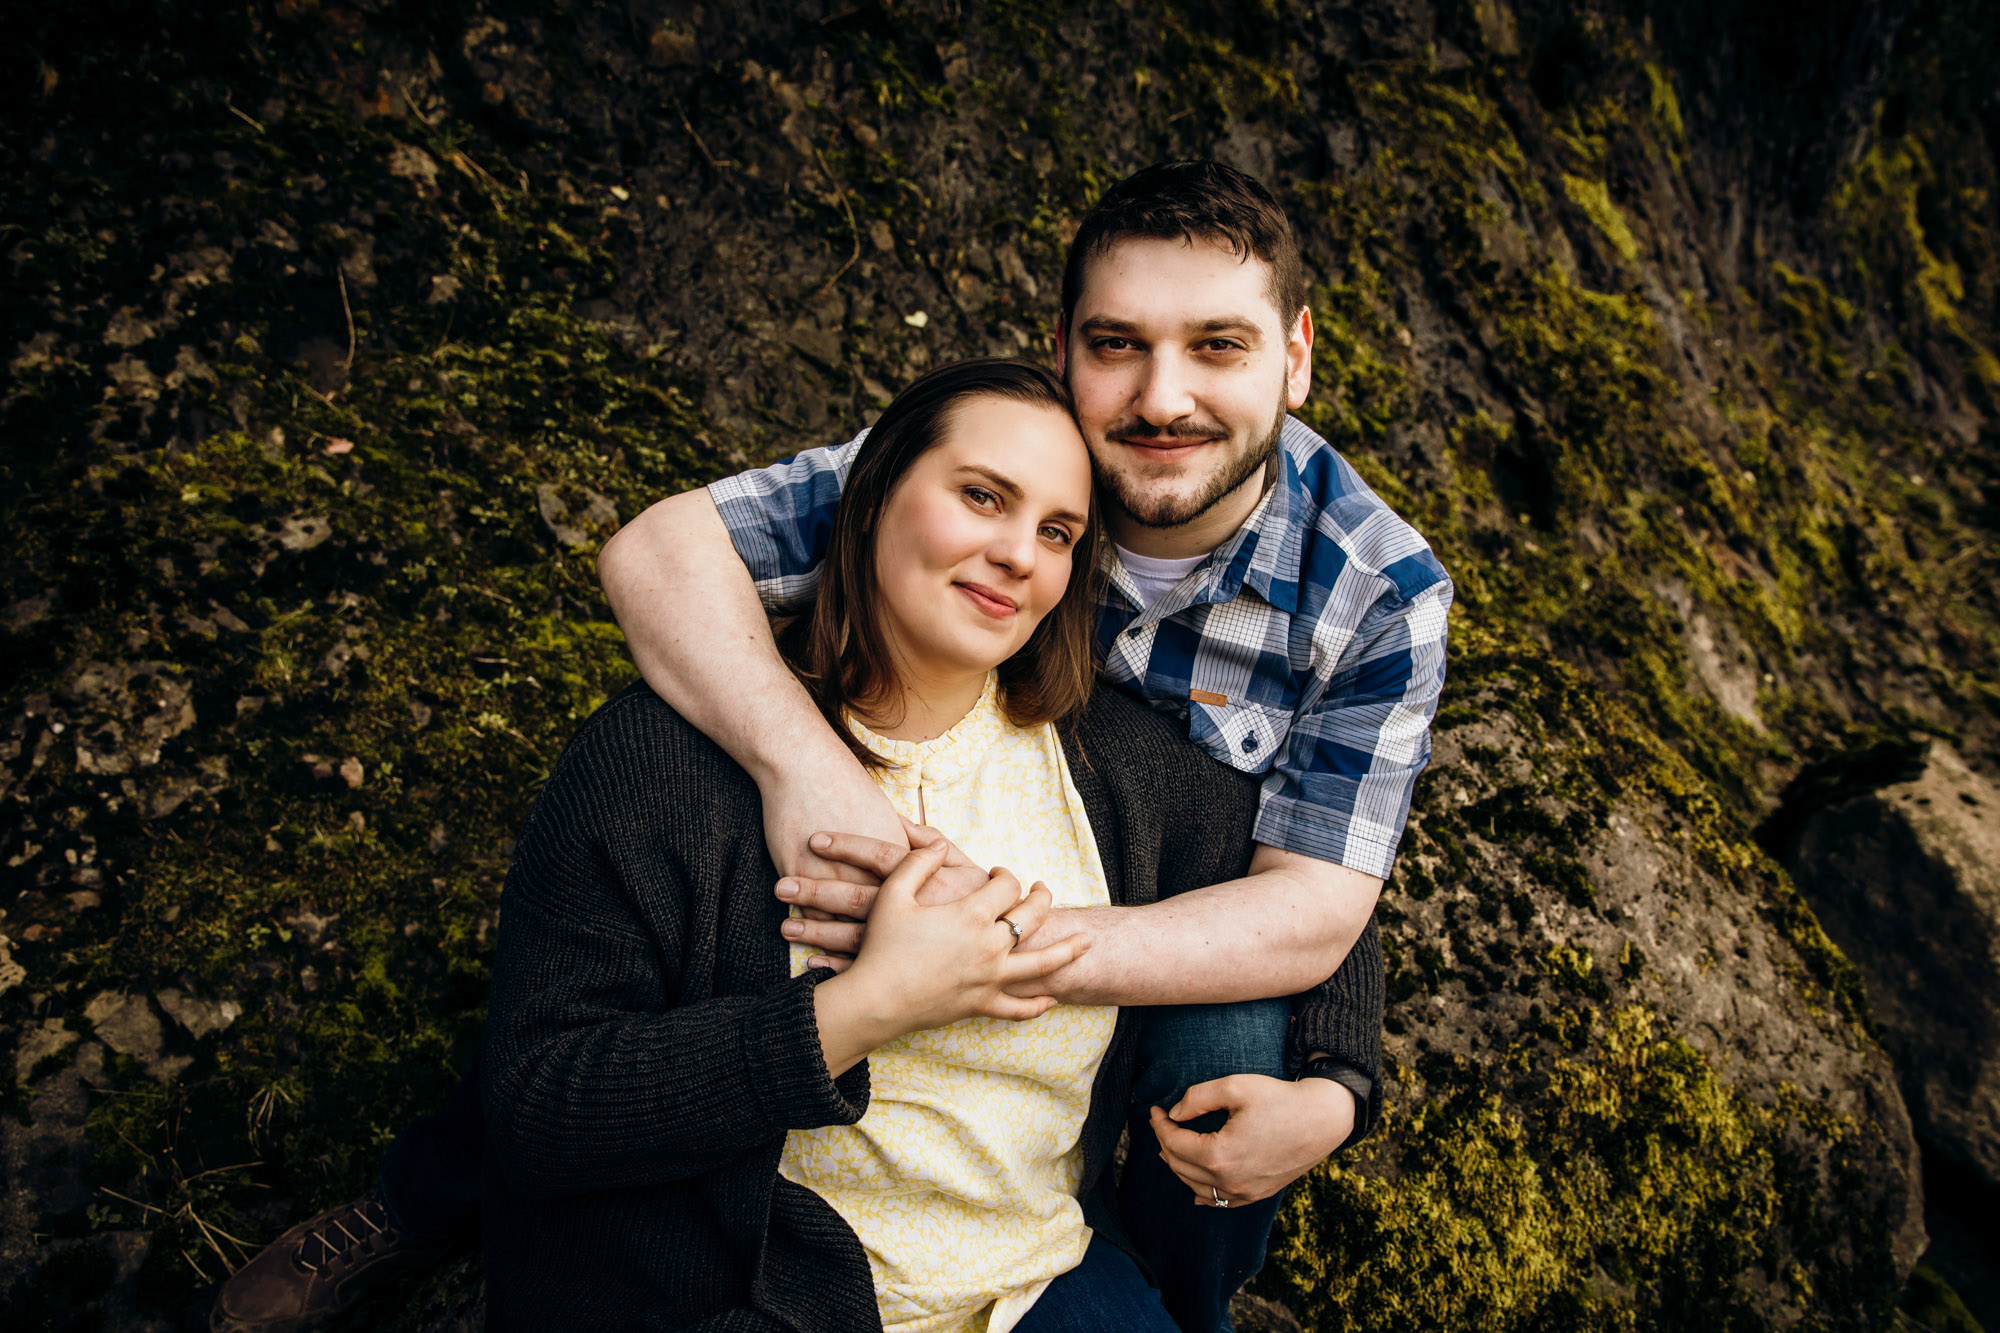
{"x": 851, "y": 227}
{"x": 340, "y": 272}
{"x": 706, "y": 156}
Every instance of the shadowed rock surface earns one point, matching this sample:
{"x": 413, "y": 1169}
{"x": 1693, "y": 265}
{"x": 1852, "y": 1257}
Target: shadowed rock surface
{"x": 338, "y": 337}
{"x": 1907, "y": 882}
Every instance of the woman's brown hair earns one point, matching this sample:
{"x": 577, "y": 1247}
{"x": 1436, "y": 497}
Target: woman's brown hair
{"x": 837, "y": 648}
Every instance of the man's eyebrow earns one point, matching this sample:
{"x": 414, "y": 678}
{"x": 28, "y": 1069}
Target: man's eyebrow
{"x": 1125, "y": 328}
{"x": 1001, "y": 481}
{"x": 1229, "y": 324}
{"x": 1106, "y": 324}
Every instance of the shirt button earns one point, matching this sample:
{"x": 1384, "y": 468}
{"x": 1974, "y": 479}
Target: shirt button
{"x": 1249, "y": 744}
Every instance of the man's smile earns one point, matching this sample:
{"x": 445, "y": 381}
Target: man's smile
{"x": 1165, "y": 449}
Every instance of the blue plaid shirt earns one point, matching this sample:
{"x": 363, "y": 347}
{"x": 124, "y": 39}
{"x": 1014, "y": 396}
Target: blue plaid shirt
{"x": 1309, "y": 646}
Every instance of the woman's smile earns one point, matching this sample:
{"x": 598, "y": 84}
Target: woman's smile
{"x": 998, "y": 605}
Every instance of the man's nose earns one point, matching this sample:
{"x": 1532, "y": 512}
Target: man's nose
{"x": 1166, "y": 394}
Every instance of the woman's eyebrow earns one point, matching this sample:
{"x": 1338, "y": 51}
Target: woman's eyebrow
{"x": 1002, "y": 482}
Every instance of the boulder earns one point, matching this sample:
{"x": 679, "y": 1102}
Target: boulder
{"x": 1906, "y": 879}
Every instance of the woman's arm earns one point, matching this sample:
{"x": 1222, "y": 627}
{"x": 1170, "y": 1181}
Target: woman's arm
{"x": 582, "y": 1094}
{"x": 597, "y": 1077}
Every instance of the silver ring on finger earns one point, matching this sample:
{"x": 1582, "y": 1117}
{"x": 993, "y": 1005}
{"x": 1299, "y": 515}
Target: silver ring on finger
{"x": 1012, "y": 925}
{"x": 1220, "y": 1202}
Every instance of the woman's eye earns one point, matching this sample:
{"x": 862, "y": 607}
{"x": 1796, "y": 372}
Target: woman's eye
{"x": 980, "y": 496}
{"x": 1055, "y": 532}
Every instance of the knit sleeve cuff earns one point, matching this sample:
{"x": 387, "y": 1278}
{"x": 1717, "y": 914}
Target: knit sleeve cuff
{"x": 788, "y": 1068}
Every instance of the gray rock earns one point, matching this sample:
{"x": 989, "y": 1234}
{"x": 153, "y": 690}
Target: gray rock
{"x": 1907, "y": 882}
{"x": 198, "y": 1017}
{"x": 12, "y": 973}
{"x": 38, "y": 1043}
{"x": 579, "y": 519}
{"x": 302, "y": 534}
{"x": 128, "y": 1025}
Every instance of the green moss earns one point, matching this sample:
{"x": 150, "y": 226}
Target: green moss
{"x": 1594, "y": 198}
{"x": 1666, "y": 106}
{"x": 1934, "y": 1305}
{"x": 1629, "y": 1195}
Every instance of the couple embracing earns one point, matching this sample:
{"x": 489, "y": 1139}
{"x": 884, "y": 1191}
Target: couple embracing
{"x": 1021, "y": 773}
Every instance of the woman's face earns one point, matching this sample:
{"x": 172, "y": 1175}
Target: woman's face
{"x": 975, "y": 542}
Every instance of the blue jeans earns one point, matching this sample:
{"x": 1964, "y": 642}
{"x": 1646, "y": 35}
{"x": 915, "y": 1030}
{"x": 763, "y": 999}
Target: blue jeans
{"x": 1200, "y": 1255}
{"x": 1103, "y": 1293}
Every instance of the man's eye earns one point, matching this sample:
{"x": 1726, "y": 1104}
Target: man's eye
{"x": 1112, "y": 344}
{"x": 1223, "y": 345}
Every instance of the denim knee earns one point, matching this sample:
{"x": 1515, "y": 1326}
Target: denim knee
{"x": 1181, "y": 1045}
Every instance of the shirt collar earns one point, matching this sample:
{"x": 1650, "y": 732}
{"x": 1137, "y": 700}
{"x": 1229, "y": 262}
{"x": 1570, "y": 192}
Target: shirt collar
{"x": 1262, "y": 555}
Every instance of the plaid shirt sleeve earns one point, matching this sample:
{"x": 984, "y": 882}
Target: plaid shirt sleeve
{"x": 780, "y": 518}
{"x": 1341, "y": 785}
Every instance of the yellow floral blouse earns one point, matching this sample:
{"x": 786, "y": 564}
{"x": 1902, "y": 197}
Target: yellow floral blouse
{"x": 961, "y": 1179}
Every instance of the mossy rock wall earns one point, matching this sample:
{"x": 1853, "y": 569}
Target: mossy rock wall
{"x": 338, "y": 336}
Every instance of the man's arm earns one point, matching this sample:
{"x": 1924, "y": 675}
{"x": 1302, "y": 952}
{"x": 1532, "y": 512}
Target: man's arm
{"x": 699, "y": 633}
{"x": 1279, "y": 930}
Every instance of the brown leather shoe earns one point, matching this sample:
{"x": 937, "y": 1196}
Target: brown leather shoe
{"x": 318, "y": 1269}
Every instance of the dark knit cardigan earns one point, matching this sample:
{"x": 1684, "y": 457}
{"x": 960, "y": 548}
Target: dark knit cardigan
{"x": 647, "y": 1049}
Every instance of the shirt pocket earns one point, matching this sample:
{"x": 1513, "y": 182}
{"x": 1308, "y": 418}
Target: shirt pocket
{"x": 1246, "y": 736}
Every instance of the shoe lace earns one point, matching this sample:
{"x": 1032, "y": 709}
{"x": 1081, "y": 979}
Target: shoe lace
{"x": 342, "y": 1232}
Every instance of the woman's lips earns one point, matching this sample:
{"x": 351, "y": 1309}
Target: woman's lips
{"x": 998, "y": 605}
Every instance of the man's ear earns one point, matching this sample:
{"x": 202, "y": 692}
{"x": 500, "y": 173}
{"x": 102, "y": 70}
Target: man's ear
{"x": 1062, "y": 345}
{"x": 1299, "y": 359}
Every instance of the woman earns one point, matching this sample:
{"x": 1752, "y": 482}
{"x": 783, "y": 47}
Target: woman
{"x": 690, "y": 1129}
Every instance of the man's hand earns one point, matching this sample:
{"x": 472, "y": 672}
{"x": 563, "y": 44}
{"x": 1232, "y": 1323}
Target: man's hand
{"x": 1277, "y": 1132}
{"x": 836, "y": 910}
{"x": 796, "y": 806}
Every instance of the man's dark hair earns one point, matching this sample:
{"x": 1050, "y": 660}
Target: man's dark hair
{"x": 838, "y": 649}
{"x": 1192, "y": 201}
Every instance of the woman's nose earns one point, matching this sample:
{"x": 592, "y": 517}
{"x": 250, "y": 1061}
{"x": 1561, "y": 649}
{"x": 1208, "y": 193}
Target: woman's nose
{"x": 1013, "y": 549}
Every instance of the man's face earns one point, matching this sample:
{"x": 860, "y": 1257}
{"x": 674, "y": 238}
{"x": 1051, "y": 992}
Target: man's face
{"x": 1182, "y": 371}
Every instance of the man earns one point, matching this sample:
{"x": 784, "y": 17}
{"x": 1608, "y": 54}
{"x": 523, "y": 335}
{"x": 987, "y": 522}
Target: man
{"x": 1259, "y": 590}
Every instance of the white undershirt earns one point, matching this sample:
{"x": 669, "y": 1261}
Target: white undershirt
{"x": 1156, "y": 577}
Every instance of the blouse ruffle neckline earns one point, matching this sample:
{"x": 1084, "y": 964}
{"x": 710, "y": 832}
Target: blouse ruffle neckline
{"x": 951, "y": 757}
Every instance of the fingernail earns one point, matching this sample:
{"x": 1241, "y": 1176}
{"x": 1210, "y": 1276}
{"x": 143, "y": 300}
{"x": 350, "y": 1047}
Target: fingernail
{"x": 819, "y": 842}
{"x": 787, "y": 889}
{"x": 791, "y": 930}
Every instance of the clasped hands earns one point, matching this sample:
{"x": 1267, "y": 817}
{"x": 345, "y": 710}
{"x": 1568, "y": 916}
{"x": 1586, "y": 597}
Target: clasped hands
{"x": 928, "y": 959}
{"x": 1276, "y": 1131}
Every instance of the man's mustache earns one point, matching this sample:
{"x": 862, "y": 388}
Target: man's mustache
{"x": 1174, "y": 432}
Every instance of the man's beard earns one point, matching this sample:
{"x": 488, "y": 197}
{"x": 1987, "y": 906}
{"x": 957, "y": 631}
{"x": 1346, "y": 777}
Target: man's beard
{"x": 1171, "y": 511}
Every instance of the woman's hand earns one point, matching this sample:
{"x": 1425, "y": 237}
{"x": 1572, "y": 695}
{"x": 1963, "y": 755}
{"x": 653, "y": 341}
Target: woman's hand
{"x": 926, "y": 965}
{"x": 834, "y": 913}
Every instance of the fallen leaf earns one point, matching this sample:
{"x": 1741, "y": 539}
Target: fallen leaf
{"x": 339, "y": 446}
